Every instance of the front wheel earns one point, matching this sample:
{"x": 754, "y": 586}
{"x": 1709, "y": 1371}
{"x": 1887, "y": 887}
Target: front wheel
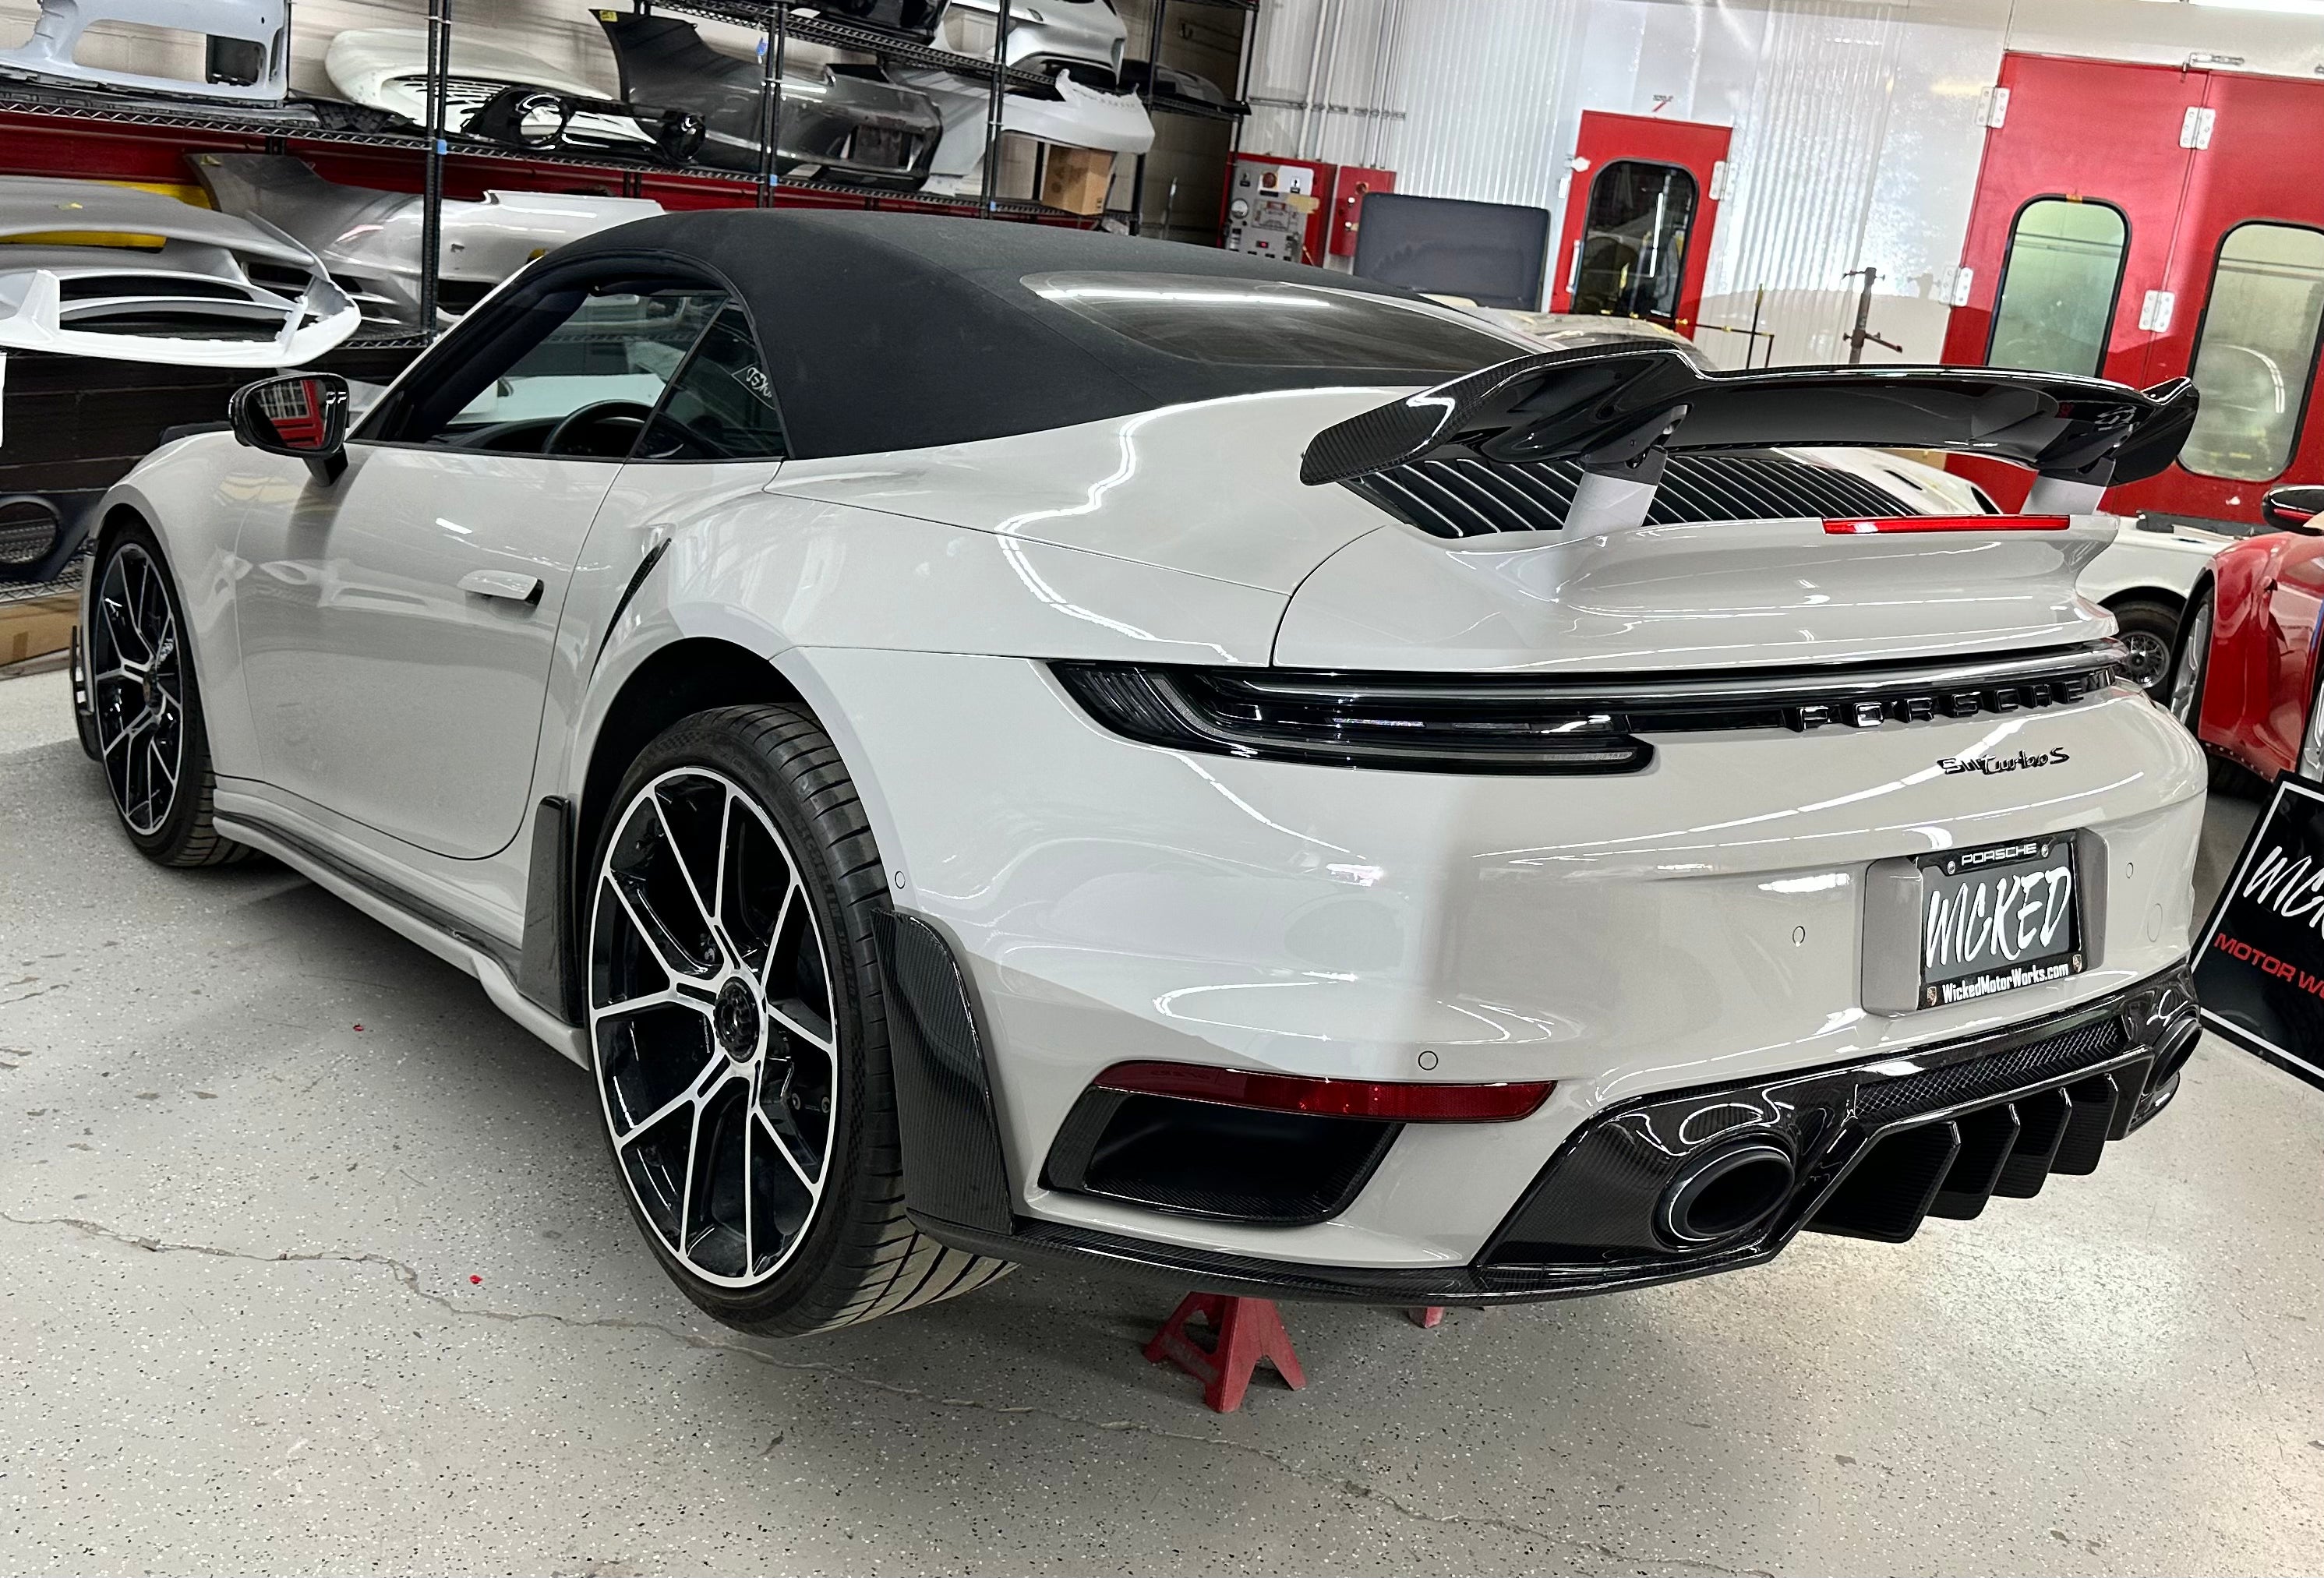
{"x": 740, "y": 1036}
{"x": 147, "y": 709}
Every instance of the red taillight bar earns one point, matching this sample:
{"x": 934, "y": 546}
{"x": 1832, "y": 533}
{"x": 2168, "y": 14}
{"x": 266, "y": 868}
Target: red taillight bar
{"x": 1397, "y": 1101}
{"x": 1947, "y": 523}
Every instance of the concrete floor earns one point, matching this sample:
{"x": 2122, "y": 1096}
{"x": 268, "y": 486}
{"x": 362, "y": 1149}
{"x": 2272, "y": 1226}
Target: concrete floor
{"x": 309, "y": 1260}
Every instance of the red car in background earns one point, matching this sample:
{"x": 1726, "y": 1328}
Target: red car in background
{"x": 2246, "y": 675}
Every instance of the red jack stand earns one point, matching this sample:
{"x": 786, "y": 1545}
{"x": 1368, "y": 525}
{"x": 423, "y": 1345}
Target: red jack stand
{"x": 1248, "y": 1330}
{"x": 1427, "y": 1317}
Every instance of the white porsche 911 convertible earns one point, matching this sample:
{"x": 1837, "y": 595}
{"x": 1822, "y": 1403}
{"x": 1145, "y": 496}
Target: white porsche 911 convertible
{"x": 996, "y": 743}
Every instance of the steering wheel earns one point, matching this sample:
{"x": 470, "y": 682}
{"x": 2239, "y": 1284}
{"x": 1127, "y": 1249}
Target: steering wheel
{"x": 598, "y": 411}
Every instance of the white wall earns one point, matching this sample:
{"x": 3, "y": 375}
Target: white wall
{"x": 1858, "y": 124}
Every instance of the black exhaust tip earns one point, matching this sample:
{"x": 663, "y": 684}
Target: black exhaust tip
{"x": 1725, "y": 1195}
{"x": 2178, "y": 1046}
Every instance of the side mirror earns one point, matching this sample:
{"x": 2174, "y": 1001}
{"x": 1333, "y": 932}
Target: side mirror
{"x": 2293, "y": 509}
{"x": 303, "y": 416}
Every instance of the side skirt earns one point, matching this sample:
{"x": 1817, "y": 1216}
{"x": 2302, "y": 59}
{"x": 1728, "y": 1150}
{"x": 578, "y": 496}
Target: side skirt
{"x": 417, "y": 922}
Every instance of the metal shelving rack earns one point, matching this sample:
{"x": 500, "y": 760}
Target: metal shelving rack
{"x": 435, "y": 144}
{"x": 1171, "y": 105}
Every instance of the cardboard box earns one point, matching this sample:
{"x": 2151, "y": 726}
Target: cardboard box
{"x": 36, "y": 626}
{"x": 1076, "y": 179}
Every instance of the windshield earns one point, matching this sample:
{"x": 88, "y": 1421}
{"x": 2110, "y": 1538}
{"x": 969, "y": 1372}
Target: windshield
{"x": 1276, "y": 323}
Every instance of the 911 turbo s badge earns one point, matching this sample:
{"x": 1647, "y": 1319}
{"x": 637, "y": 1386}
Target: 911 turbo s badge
{"x": 2054, "y": 757}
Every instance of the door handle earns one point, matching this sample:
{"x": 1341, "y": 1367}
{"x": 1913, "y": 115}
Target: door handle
{"x": 508, "y": 584}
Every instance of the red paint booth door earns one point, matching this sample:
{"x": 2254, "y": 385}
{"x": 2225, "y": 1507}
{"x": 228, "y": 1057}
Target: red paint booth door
{"x": 2246, "y": 304}
{"x": 2069, "y": 233}
{"x": 1639, "y": 213}
{"x": 2183, "y": 243}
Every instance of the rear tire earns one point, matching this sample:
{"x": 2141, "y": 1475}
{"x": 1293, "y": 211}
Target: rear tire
{"x": 739, "y": 1035}
{"x": 147, "y": 707}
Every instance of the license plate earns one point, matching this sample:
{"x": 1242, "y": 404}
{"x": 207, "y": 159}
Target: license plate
{"x": 1996, "y": 918}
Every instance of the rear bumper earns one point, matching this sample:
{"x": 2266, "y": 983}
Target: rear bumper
{"x": 1878, "y": 1146}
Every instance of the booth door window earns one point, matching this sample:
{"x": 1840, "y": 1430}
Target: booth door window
{"x": 2060, "y": 278}
{"x": 2256, "y": 355}
{"x": 1633, "y": 257}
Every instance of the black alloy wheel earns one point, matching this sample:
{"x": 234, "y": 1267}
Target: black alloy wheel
{"x": 147, "y": 707}
{"x": 738, "y": 1033}
{"x": 711, "y": 995}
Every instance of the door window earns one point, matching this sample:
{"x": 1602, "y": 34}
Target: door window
{"x": 2257, "y": 355}
{"x": 2059, "y": 282}
{"x": 722, "y": 405}
{"x": 1634, "y": 241}
{"x": 583, "y": 368}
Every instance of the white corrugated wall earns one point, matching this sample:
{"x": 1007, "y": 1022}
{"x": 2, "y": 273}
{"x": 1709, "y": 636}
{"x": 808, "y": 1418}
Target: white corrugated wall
{"x": 1490, "y": 95}
{"x": 1355, "y": 77}
{"x": 1482, "y": 85}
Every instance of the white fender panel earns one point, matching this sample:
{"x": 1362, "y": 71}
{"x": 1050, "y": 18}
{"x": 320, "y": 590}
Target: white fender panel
{"x": 1121, "y": 487}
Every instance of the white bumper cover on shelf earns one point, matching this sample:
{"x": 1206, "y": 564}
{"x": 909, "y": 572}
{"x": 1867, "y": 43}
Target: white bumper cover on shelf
{"x": 217, "y": 292}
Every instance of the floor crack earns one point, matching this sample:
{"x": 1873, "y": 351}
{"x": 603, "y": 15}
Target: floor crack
{"x": 1355, "y": 1490}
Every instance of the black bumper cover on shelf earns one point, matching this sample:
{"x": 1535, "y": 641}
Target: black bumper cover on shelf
{"x": 1876, "y": 1145}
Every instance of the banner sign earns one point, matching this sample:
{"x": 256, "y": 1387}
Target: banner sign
{"x": 2259, "y": 969}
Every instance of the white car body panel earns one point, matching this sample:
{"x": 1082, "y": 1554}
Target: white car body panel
{"x": 1118, "y": 487}
{"x": 2140, "y": 562}
{"x": 372, "y": 239}
{"x": 377, "y": 683}
{"x": 1079, "y": 117}
{"x": 1043, "y": 34}
{"x": 386, "y": 68}
{"x": 1682, "y": 596}
{"x": 52, "y": 294}
{"x": 262, "y": 26}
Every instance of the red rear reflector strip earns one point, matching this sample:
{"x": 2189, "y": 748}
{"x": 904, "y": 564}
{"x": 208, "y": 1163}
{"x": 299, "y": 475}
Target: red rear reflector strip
{"x": 1948, "y": 523}
{"x": 1397, "y": 1101}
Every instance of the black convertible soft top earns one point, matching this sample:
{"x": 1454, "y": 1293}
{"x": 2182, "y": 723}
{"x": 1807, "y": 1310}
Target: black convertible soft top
{"x": 898, "y": 331}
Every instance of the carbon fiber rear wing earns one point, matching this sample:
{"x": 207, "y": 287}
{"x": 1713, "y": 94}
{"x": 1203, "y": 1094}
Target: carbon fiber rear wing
{"x": 1619, "y": 411}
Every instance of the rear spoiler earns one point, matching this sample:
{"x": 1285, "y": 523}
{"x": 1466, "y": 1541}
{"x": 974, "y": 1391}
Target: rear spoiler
{"x": 1620, "y": 410}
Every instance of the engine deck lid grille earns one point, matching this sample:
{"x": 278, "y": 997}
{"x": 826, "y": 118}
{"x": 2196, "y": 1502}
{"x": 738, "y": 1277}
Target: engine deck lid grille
{"x": 1480, "y": 498}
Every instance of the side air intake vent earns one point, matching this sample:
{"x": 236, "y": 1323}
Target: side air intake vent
{"x": 1478, "y": 498}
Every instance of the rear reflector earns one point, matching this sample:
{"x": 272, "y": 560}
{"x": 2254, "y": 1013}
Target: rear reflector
{"x": 1388, "y": 1100}
{"x": 1947, "y": 523}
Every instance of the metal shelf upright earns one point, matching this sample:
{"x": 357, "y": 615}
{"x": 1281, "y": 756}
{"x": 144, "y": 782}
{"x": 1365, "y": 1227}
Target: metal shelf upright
{"x": 1172, "y": 105}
